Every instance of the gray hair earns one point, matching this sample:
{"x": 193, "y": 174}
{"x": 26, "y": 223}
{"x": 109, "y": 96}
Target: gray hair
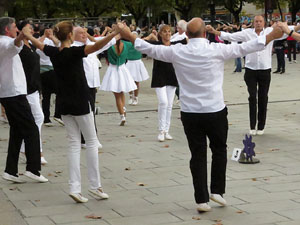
{"x": 182, "y": 24}
{"x": 5, "y": 22}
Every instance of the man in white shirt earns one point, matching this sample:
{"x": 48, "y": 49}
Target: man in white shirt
{"x": 199, "y": 67}
{"x": 258, "y": 72}
{"x": 181, "y": 28}
{"x": 13, "y": 92}
{"x": 91, "y": 65}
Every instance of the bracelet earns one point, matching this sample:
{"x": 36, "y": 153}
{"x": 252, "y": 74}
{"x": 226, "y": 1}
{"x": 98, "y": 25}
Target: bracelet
{"x": 291, "y": 33}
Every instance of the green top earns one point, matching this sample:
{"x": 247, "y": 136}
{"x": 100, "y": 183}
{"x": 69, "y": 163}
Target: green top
{"x": 133, "y": 54}
{"x": 116, "y": 59}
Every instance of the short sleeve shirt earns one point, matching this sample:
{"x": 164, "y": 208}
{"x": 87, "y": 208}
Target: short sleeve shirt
{"x": 73, "y": 89}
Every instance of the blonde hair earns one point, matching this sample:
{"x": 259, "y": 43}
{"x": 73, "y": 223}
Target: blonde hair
{"x": 62, "y": 30}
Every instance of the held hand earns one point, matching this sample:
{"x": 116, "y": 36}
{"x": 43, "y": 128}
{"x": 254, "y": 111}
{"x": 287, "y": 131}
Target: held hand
{"x": 118, "y": 27}
{"x": 210, "y": 29}
{"x": 276, "y": 33}
{"x": 284, "y": 27}
{"x": 126, "y": 33}
{"x": 26, "y": 31}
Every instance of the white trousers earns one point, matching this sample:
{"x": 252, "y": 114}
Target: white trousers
{"x": 85, "y": 125}
{"x": 165, "y": 96}
{"x": 37, "y": 112}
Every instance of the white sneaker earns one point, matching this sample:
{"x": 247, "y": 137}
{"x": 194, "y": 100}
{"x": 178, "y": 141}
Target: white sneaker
{"x": 99, "y": 193}
{"x": 218, "y": 199}
{"x": 168, "y": 136}
{"x": 43, "y": 160}
{"x": 135, "y": 101}
{"x": 203, "y": 207}
{"x": 260, "y": 132}
{"x": 49, "y": 124}
{"x": 123, "y": 120}
{"x": 130, "y": 101}
{"x": 59, "y": 121}
{"x": 161, "y": 136}
{"x": 32, "y": 176}
{"x": 252, "y": 132}
{"x": 22, "y": 158}
{"x": 77, "y": 197}
{"x": 12, "y": 178}
{"x": 100, "y": 146}
{"x": 3, "y": 119}
{"x": 295, "y": 61}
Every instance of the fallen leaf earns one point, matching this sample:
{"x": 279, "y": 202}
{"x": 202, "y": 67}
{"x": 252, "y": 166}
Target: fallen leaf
{"x": 37, "y": 200}
{"x": 293, "y": 113}
{"x": 1, "y": 139}
{"x": 13, "y": 189}
{"x": 239, "y": 211}
{"x": 50, "y": 174}
{"x": 254, "y": 179}
{"x": 132, "y": 135}
{"x": 266, "y": 179}
{"x": 196, "y": 218}
{"x": 93, "y": 216}
{"x": 146, "y": 117}
{"x": 274, "y": 149}
{"x": 166, "y": 146}
{"x": 140, "y": 140}
{"x": 229, "y": 124}
{"x": 127, "y": 168}
{"x": 58, "y": 171}
{"x": 21, "y": 174}
{"x": 258, "y": 152}
{"x": 141, "y": 184}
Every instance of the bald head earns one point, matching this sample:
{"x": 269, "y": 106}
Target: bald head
{"x": 195, "y": 28}
{"x": 259, "y": 23}
{"x": 80, "y": 34}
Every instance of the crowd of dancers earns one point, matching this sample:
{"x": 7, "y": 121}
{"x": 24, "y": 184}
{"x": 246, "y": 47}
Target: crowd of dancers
{"x": 63, "y": 60}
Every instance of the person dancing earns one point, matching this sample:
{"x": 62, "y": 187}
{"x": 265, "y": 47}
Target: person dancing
{"x": 165, "y": 82}
{"x": 137, "y": 69}
{"x": 117, "y": 77}
{"x": 31, "y": 65}
{"x": 76, "y": 108}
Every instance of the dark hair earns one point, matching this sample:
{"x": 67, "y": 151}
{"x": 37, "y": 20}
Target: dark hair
{"x": 62, "y": 30}
{"x": 22, "y": 23}
{"x": 90, "y": 31}
{"x": 5, "y": 22}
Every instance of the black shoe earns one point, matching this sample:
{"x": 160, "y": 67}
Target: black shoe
{"x": 277, "y": 71}
{"x": 283, "y": 71}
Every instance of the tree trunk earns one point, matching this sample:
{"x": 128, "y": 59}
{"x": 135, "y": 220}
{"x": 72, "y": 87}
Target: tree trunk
{"x": 279, "y": 8}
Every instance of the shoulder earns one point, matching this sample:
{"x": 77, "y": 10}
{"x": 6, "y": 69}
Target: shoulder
{"x": 50, "y": 50}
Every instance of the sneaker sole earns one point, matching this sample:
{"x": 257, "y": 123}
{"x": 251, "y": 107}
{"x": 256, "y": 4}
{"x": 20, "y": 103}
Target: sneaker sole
{"x": 17, "y": 182}
{"x": 61, "y": 123}
{"x": 95, "y": 195}
{"x": 203, "y": 210}
{"x": 76, "y": 199}
{"x": 215, "y": 200}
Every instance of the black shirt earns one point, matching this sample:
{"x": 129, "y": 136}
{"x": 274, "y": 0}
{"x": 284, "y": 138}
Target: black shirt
{"x": 73, "y": 89}
{"x": 31, "y": 65}
{"x": 163, "y": 73}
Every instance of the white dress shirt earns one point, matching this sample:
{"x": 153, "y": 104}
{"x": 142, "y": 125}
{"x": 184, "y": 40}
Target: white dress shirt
{"x": 178, "y": 37}
{"x": 91, "y": 63}
{"x": 199, "y": 68}
{"x": 45, "y": 60}
{"x": 12, "y": 76}
{"x": 261, "y": 60}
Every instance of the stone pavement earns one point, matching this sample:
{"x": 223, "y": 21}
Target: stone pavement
{"x": 150, "y": 182}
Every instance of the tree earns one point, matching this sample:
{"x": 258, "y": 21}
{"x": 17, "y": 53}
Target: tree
{"x": 235, "y": 8}
{"x": 184, "y": 7}
{"x": 137, "y": 8}
{"x": 294, "y": 6}
{"x": 5, "y": 5}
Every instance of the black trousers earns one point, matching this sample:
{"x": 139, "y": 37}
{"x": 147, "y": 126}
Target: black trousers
{"x": 291, "y": 46}
{"x": 22, "y": 126}
{"x": 49, "y": 86}
{"x": 258, "y": 83}
{"x": 280, "y": 59}
{"x": 93, "y": 92}
{"x": 197, "y": 127}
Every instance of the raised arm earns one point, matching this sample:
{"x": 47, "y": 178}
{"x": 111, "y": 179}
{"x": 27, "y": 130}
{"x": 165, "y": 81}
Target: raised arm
{"x": 284, "y": 27}
{"x": 101, "y": 43}
{"x": 237, "y": 36}
{"x": 37, "y": 43}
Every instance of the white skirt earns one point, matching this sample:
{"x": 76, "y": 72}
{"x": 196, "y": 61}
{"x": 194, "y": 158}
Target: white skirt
{"x": 137, "y": 70}
{"x": 118, "y": 79}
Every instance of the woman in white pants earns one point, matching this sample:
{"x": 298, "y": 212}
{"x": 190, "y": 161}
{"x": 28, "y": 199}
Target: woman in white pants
{"x": 31, "y": 65}
{"x": 75, "y": 104}
{"x": 164, "y": 81}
